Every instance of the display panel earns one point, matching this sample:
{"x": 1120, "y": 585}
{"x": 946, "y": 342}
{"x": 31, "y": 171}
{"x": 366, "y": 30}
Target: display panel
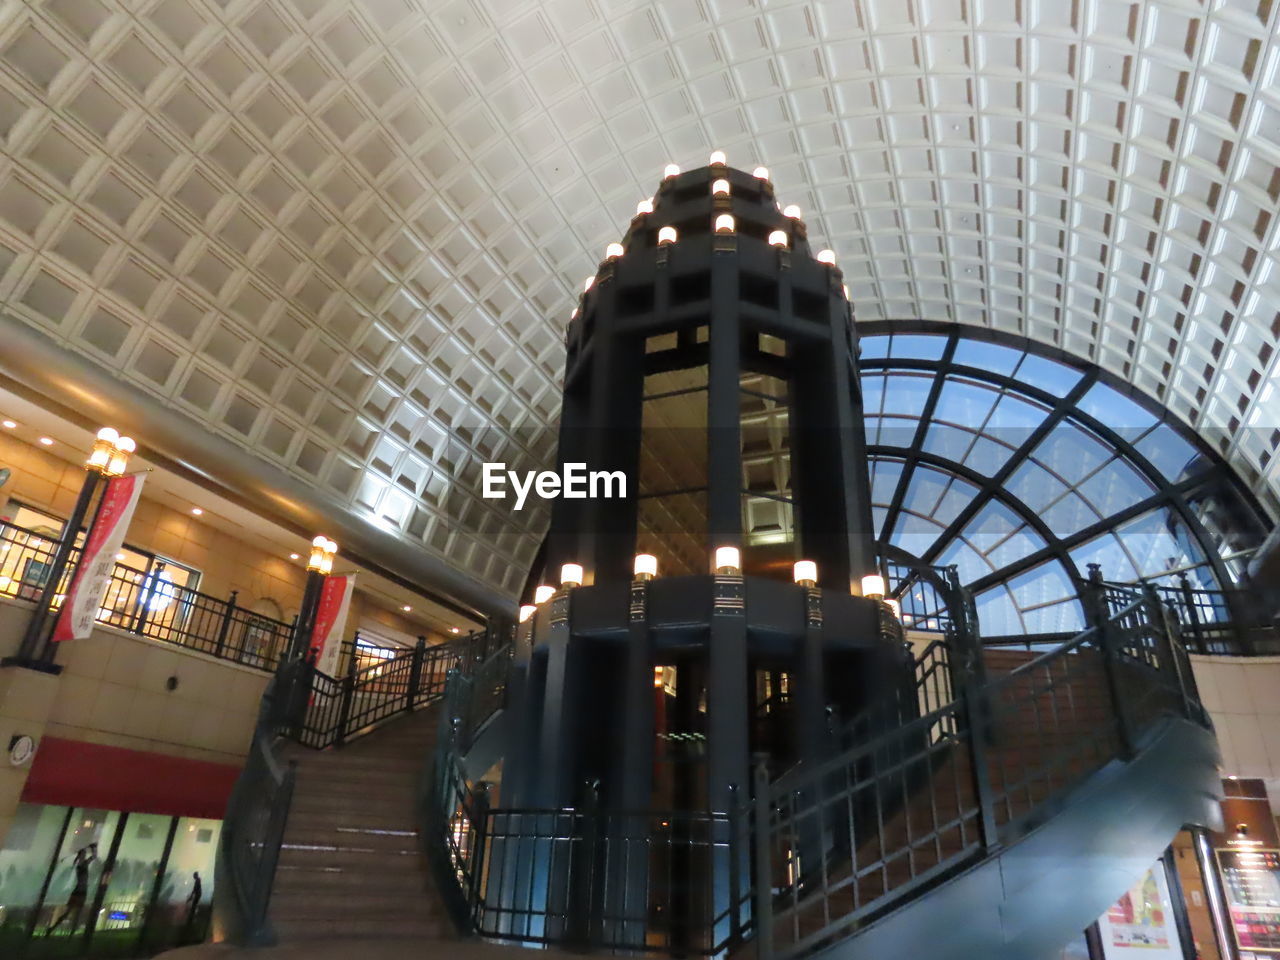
{"x": 1252, "y": 881}
{"x": 1141, "y": 923}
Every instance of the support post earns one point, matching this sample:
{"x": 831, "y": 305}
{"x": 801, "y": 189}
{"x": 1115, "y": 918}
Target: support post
{"x": 35, "y": 650}
{"x": 1108, "y": 650}
{"x": 348, "y": 694}
{"x": 1193, "y": 614}
{"x": 224, "y": 628}
{"x": 762, "y": 861}
{"x": 148, "y": 591}
{"x": 415, "y": 672}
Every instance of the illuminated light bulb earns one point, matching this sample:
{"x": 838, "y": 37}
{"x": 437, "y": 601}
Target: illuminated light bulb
{"x": 644, "y": 206}
{"x": 197, "y": 511}
{"x": 895, "y": 607}
{"x": 526, "y": 611}
{"x": 588, "y": 284}
{"x": 108, "y": 435}
{"x": 672, "y": 170}
{"x": 778, "y": 238}
{"x": 646, "y": 566}
{"x": 667, "y": 235}
{"x": 760, "y": 173}
{"x": 845, "y": 288}
{"x": 9, "y": 425}
{"x": 728, "y": 561}
{"x": 407, "y": 609}
{"x": 724, "y": 223}
{"x": 720, "y": 188}
{"x": 827, "y": 256}
{"x": 717, "y": 158}
{"x": 571, "y": 575}
{"x": 295, "y": 556}
{"x": 658, "y": 682}
{"x": 613, "y": 251}
{"x": 791, "y": 210}
{"x": 543, "y": 593}
{"x": 574, "y": 315}
{"x": 873, "y": 586}
{"x": 46, "y": 441}
{"x": 805, "y": 573}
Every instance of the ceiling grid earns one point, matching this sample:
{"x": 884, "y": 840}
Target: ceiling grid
{"x": 347, "y": 234}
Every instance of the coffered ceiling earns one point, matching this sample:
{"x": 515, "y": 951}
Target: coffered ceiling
{"x": 345, "y": 235}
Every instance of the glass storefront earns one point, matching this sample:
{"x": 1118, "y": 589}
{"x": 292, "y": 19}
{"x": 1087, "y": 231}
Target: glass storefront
{"x": 77, "y": 882}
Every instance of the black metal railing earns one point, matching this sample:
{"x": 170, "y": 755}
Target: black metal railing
{"x": 253, "y": 826}
{"x": 149, "y": 604}
{"x": 825, "y": 848}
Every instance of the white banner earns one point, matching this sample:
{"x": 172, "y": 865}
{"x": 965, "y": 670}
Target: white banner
{"x": 93, "y": 572}
{"x": 331, "y": 622}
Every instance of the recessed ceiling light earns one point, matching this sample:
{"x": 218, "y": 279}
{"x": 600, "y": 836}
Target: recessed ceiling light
{"x": 295, "y": 556}
{"x": 9, "y": 424}
{"x": 46, "y": 441}
{"x": 197, "y": 511}
{"x": 406, "y": 609}
{"x": 454, "y": 630}
{"x": 119, "y": 556}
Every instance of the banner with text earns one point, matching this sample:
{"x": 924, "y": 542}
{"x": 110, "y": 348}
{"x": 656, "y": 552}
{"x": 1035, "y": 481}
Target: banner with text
{"x": 93, "y": 573}
{"x": 331, "y": 622}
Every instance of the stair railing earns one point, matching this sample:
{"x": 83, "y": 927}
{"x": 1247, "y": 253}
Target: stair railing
{"x": 253, "y": 826}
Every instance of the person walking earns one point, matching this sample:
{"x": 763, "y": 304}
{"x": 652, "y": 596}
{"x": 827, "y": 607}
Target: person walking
{"x": 80, "y": 892}
{"x": 193, "y": 904}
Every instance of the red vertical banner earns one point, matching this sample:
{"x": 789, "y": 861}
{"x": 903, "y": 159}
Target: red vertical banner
{"x": 331, "y": 622}
{"x": 97, "y": 561}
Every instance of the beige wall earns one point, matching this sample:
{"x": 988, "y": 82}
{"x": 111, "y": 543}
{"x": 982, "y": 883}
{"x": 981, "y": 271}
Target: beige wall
{"x": 265, "y": 583}
{"x": 1242, "y": 695}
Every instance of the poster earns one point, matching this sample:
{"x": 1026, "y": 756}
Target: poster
{"x": 98, "y": 561}
{"x": 1140, "y": 924}
{"x": 331, "y": 622}
{"x": 1252, "y": 881}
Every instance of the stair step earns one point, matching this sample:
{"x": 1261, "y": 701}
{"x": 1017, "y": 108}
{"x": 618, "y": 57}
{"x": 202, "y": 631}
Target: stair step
{"x": 327, "y": 928}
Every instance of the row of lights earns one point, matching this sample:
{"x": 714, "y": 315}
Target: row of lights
{"x": 728, "y": 563}
{"x": 12, "y": 425}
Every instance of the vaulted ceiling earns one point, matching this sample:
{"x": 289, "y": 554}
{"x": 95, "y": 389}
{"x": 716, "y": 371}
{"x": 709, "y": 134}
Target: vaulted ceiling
{"x": 345, "y": 235}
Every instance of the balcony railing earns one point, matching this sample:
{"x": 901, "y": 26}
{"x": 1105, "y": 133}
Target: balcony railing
{"x": 148, "y": 604}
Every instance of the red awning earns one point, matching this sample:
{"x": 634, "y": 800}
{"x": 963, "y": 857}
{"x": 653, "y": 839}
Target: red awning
{"x": 72, "y": 773}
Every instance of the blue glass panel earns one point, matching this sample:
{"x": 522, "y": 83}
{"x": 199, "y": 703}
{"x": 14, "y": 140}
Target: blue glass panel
{"x": 993, "y": 523}
{"x": 878, "y": 515}
{"x": 1043, "y": 584}
{"x": 1068, "y": 515}
{"x": 1014, "y": 418}
{"x": 1049, "y": 376}
{"x": 872, "y": 392}
{"x": 967, "y": 561}
{"x": 915, "y": 534}
{"x": 1107, "y": 553}
{"x": 906, "y": 393}
{"x": 884, "y": 480}
{"x": 1035, "y": 486}
{"x": 958, "y": 496}
{"x": 871, "y": 427}
{"x": 918, "y": 346}
{"x": 1016, "y": 546}
{"x": 1115, "y": 410}
{"x": 965, "y": 403}
{"x": 1071, "y": 453}
{"x": 997, "y": 616}
{"x": 987, "y": 456}
{"x": 925, "y": 490}
{"x": 873, "y": 348}
{"x": 1167, "y": 450}
{"x": 951, "y": 443}
{"x": 1115, "y": 487}
{"x": 1157, "y": 541}
{"x": 1065, "y": 617}
{"x": 898, "y": 431}
{"x": 987, "y": 356}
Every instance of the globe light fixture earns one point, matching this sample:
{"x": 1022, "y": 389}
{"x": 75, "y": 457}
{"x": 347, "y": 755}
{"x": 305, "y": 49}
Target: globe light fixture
{"x": 323, "y": 550}
{"x": 110, "y": 453}
{"x": 613, "y": 251}
{"x": 791, "y": 211}
{"x": 644, "y": 206}
{"x": 720, "y": 188}
{"x": 760, "y": 173}
{"x": 589, "y": 283}
{"x": 873, "y": 586}
{"x": 526, "y": 611}
{"x": 724, "y": 223}
{"x": 571, "y": 575}
{"x": 805, "y": 573}
{"x": 728, "y": 561}
{"x": 646, "y": 566}
{"x": 827, "y": 257}
{"x": 666, "y": 235}
{"x": 543, "y": 593}
{"x": 778, "y": 238}
{"x": 672, "y": 170}
{"x": 717, "y": 158}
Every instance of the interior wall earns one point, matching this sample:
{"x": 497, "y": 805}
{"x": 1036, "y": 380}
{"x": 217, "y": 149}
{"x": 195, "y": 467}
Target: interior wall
{"x": 1242, "y": 695}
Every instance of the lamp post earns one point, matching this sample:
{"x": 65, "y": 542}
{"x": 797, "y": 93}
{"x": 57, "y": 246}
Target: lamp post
{"x": 108, "y": 459}
{"x": 319, "y": 566}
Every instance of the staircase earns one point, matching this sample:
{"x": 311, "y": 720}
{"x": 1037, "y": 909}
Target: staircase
{"x": 351, "y": 864}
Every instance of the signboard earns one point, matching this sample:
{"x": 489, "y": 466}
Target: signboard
{"x": 93, "y": 573}
{"x": 331, "y": 622}
{"x": 1251, "y": 875}
{"x": 1141, "y": 924}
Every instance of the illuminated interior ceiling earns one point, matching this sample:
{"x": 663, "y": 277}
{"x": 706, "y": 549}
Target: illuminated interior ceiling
{"x": 347, "y": 235}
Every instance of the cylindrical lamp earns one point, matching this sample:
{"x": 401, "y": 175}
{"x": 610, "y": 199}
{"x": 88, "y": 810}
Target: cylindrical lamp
{"x": 717, "y": 158}
{"x": 120, "y": 457}
{"x": 613, "y": 251}
{"x": 760, "y": 173}
{"x": 667, "y": 235}
{"x": 873, "y": 586}
{"x": 778, "y": 238}
{"x": 526, "y": 611}
{"x": 720, "y": 188}
{"x": 672, "y": 170}
{"x": 894, "y": 606}
{"x": 805, "y": 573}
{"x": 827, "y": 256}
{"x": 728, "y": 561}
{"x": 646, "y": 566}
{"x": 571, "y": 575}
{"x": 724, "y": 223}
{"x": 543, "y": 593}
{"x": 644, "y": 206}
{"x": 791, "y": 211}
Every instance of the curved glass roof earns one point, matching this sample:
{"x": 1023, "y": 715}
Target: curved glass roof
{"x": 1021, "y": 470}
